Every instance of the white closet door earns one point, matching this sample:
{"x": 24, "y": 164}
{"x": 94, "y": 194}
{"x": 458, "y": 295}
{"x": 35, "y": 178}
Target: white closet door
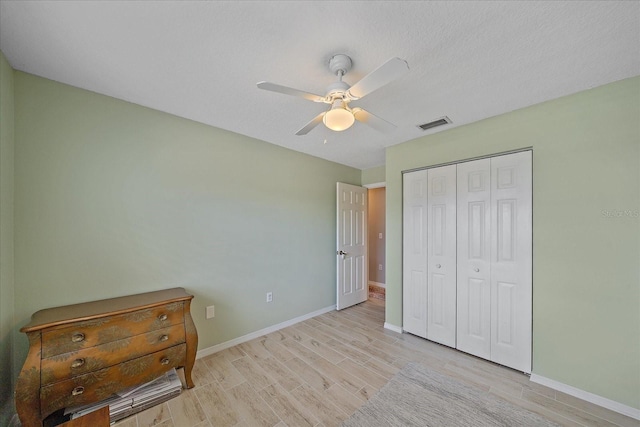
{"x": 474, "y": 258}
{"x": 511, "y": 254}
{"x": 441, "y": 255}
{"x": 414, "y": 255}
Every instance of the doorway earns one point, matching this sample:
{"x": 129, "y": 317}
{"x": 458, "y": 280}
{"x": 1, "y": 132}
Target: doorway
{"x": 376, "y": 242}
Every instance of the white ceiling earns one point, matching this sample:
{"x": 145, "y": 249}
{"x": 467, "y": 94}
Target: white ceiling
{"x": 201, "y": 60}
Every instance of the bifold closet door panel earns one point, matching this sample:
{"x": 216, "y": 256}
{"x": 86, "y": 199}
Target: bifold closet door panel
{"x": 414, "y": 254}
{"x": 474, "y": 258}
{"x": 441, "y": 255}
{"x": 511, "y": 255}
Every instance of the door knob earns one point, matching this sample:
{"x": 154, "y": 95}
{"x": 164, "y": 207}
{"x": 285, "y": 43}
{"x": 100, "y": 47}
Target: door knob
{"x": 341, "y": 253}
{"x": 477, "y": 270}
{"x": 438, "y": 266}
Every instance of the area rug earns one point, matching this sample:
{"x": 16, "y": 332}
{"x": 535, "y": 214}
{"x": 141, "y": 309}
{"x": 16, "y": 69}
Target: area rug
{"x": 417, "y": 396}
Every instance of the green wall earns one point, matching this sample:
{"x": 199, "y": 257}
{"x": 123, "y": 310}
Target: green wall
{"x": 586, "y": 229}
{"x": 114, "y": 199}
{"x": 6, "y": 239}
{"x": 373, "y": 175}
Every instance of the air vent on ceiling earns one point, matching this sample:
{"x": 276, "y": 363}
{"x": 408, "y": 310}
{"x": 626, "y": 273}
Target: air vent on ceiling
{"x": 439, "y": 122}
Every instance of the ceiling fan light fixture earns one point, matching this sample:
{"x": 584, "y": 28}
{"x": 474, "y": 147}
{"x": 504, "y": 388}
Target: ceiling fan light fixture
{"x": 338, "y": 118}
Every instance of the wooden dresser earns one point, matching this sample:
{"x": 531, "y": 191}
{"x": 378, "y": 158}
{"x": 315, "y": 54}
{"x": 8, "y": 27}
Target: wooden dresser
{"x": 84, "y": 353}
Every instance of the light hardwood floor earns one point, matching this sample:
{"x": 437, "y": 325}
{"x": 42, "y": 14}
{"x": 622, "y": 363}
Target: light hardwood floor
{"x": 318, "y": 372}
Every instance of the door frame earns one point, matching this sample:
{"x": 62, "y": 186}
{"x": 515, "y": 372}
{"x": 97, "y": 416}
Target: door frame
{"x": 381, "y": 184}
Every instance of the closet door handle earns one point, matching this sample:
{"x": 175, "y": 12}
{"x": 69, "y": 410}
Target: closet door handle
{"x": 438, "y": 266}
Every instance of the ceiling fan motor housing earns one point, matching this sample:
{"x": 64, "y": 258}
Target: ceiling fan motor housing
{"x": 337, "y": 90}
{"x": 340, "y": 64}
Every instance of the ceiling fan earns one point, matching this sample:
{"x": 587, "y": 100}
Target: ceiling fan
{"x": 340, "y": 115}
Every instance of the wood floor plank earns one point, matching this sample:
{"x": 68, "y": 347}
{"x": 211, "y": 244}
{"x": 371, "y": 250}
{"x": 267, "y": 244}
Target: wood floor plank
{"x": 337, "y": 333}
{"x": 373, "y": 351}
{"x": 537, "y": 409}
{"x": 255, "y": 349}
{"x": 338, "y": 375}
{"x": 223, "y": 371}
{"x": 274, "y": 346}
{"x": 365, "y": 374}
{"x": 186, "y": 409}
{"x": 367, "y": 392}
{"x": 283, "y": 375}
{"x": 384, "y": 369}
{"x": 201, "y": 374}
{"x": 567, "y": 411}
{"x": 217, "y": 405}
{"x": 311, "y": 376}
{"x": 290, "y": 410}
{"x": 345, "y": 329}
{"x": 328, "y": 414}
{"x": 251, "y": 407}
{"x": 253, "y": 373}
{"x": 323, "y": 350}
{"x": 314, "y": 333}
{"x": 605, "y": 414}
{"x": 301, "y": 351}
{"x": 343, "y": 399}
{"x": 350, "y": 352}
{"x": 154, "y": 416}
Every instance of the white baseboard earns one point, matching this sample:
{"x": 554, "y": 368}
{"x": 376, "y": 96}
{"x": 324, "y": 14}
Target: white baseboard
{"x": 382, "y": 285}
{"x": 222, "y": 346}
{"x": 586, "y": 396}
{"x": 393, "y": 328}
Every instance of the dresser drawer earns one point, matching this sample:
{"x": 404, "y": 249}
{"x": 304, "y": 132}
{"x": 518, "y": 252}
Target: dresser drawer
{"x": 99, "y": 385}
{"x": 68, "y": 365}
{"x": 94, "y": 332}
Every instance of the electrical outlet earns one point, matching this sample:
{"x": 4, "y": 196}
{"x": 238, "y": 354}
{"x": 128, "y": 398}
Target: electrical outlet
{"x": 211, "y": 311}
{"x": 269, "y": 296}
{"x": 380, "y": 267}
{"x": 379, "y": 235}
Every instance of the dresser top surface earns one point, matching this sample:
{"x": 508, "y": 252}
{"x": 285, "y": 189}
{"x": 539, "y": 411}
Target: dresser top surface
{"x": 107, "y": 307}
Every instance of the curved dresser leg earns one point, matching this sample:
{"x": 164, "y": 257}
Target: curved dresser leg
{"x": 192, "y": 344}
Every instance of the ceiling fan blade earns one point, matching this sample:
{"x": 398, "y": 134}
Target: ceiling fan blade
{"x": 290, "y": 91}
{"x": 374, "y": 121}
{"x": 313, "y": 123}
{"x": 386, "y": 73}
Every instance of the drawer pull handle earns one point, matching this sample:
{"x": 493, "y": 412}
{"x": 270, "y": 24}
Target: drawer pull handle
{"x": 164, "y": 338}
{"x": 165, "y": 361}
{"x": 163, "y": 317}
{"x": 77, "y": 363}
{"x": 77, "y": 391}
{"x": 79, "y": 337}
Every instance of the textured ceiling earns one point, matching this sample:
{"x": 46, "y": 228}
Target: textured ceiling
{"x": 201, "y": 60}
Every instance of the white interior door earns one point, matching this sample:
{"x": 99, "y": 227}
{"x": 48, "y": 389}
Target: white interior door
{"x": 511, "y": 255}
{"x": 474, "y": 257}
{"x": 414, "y": 253}
{"x": 351, "y": 252}
{"x": 441, "y": 255}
